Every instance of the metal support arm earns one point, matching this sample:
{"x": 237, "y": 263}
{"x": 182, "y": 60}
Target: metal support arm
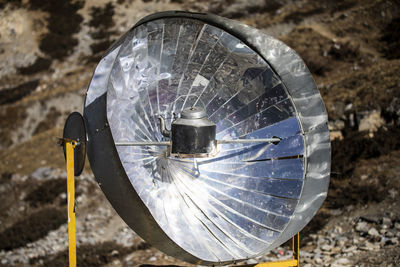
{"x": 232, "y": 141}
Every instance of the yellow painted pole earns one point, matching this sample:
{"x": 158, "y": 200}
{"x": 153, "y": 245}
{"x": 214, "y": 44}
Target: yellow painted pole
{"x": 71, "y": 202}
{"x": 296, "y": 248}
{"x": 287, "y": 263}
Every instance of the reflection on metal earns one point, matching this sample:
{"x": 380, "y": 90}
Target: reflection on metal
{"x": 252, "y": 195}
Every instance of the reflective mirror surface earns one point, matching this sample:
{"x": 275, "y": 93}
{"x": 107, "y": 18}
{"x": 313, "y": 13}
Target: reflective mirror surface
{"x": 230, "y": 206}
{"x": 235, "y": 205}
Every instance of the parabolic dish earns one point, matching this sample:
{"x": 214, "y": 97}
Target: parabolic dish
{"x": 247, "y": 199}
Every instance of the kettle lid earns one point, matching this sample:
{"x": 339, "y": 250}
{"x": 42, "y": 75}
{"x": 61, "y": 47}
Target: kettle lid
{"x": 193, "y": 113}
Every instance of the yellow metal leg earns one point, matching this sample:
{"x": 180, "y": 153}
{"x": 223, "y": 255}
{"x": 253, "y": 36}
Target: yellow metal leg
{"x": 71, "y": 202}
{"x": 287, "y": 263}
{"x": 296, "y": 248}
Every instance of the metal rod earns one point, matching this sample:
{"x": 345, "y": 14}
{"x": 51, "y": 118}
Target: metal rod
{"x": 163, "y": 143}
{"x": 245, "y": 141}
{"x": 233, "y": 141}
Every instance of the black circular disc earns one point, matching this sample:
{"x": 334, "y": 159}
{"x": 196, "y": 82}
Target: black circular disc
{"x": 74, "y": 129}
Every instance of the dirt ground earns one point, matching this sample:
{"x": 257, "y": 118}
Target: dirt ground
{"x": 48, "y": 51}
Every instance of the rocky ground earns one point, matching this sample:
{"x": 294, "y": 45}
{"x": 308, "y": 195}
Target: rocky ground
{"x": 48, "y": 51}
